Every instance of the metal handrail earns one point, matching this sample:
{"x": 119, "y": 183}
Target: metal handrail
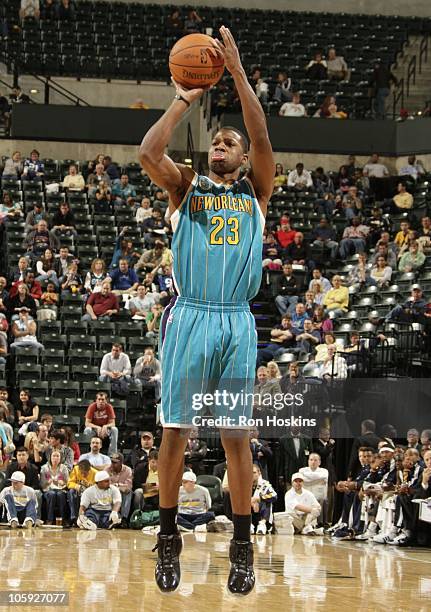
{"x": 398, "y": 97}
{"x": 411, "y": 73}
{"x": 13, "y": 62}
{"x": 6, "y": 84}
{"x": 423, "y": 52}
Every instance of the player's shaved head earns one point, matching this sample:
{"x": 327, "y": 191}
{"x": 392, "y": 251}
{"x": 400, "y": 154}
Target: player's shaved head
{"x": 242, "y": 138}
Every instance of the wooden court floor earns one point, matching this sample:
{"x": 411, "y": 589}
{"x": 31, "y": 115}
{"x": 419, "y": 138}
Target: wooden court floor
{"x": 113, "y": 571}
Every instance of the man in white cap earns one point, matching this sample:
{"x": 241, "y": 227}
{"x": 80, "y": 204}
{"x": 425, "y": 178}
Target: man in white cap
{"x": 194, "y": 503}
{"x": 100, "y": 504}
{"x": 19, "y": 502}
{"x": 302, "y": 507}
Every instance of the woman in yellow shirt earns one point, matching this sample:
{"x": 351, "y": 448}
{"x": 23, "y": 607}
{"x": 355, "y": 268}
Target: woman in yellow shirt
{"x": 336, "y": 301}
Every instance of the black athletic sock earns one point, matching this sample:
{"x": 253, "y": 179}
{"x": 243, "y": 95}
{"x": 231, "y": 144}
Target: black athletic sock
{"x": 168, "y": 520}
{"x": 241, "y": 527}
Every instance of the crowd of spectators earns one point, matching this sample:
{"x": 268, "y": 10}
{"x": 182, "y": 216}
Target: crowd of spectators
{"x": 363, "y": 247}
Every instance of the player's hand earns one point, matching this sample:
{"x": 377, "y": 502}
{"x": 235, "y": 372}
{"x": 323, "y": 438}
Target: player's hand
{"x": 229, "y": 50}
{"x": 189, "y": 94}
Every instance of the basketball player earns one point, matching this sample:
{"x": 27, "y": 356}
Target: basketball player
{"x": 210, "y": 337}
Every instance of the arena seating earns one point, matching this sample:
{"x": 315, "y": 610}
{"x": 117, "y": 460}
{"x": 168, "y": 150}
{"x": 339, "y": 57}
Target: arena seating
{"x": 132, "y": 41}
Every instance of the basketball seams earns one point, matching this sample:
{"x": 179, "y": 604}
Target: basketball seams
{"x": 174, "y": 53}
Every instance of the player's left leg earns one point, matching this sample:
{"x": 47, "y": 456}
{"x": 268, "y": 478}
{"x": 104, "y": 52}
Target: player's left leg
{"x": 239, "y": 466}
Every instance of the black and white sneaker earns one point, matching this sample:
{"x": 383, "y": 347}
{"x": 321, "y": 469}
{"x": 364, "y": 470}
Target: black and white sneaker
{"x": 241, "y": 577}
{"x": 168, "y": 571}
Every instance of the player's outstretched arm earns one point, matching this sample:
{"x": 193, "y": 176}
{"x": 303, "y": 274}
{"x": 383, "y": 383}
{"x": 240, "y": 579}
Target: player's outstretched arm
{"x": 261, "y": 158}
{"x": 175, "y": 178}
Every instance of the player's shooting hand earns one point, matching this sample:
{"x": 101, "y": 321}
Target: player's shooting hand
{"x": 229, "y": 50}
{"x": 189, "y": 94}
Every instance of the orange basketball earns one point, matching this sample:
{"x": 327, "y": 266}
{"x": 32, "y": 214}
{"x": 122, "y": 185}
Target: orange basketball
{"x": 195, "y": 61}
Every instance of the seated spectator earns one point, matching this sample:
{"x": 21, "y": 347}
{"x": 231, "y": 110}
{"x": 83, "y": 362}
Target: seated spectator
{"x": 74, "y": 181}
{"x": 297, "y": 252}
{"x": 19, "y": 97}
{"x": 324, "y": 112}
{"x": 45, "y": 268}
{"x": 283, "y": 337}
{"x": 334, "y": 113}
{"x": 144, "y": 211}
{"x": 411, "y": 310}
{"x": 384, "y": 250}
{"x": 317, "y": 68}
{"x": 49, "y": 10}
{"x": 95, "y": 179}
{"x": 401, "y": 202}
{"x": 22, "y": 299}
{"x": 146, "y": 484}
{"x": 24, "y": 332}
{"x": 316, "y": 480}
{"x": 111, "y": 169}
{"x": 299, "y": 316}
{"x": 115, "y": 365}
{"x": 195, "y": 452}
{"x": 63, "y": 221}
{"x": 413, "y": 168}
{"x": 337, "y": 67}
{"x": 263, "y": 497}
{"x": 302, "y": 508}
{"x": 293, "y": 108}
{"x": 33, "y": 167}
{"x": 413, "y": 260}
{"x": 270, "y": 252}
{"x": 310, "y": 301}
{"x": 142, "y": 303}
{"x": 103, "y": 203}
{"x": 62, "y": 262}
{"x": 13, "y": 166}
{"x": 123, "y": 192}
{"x": 142, "y": 451}
{"x": 324, "y": 236}
{"x": 124, "y": 279}
{"x": 72, "y": 282}
{"x": 29, "y": 8}
{"x": 65, "y": 11}
{"x": 123, "y": 250}
{"x": 300, "y": 179}
{"x": 360, "y": 274}
{"x": 352, "y": 203}
{"x": 273, "y": 370}
{"x": 54, "y": 476}
{"x": 424, "y": 239}
{"x": 96, "y": 276}
{"x": 259, "y": 86}
{"x": 174, "y": 22}
{"x": 287, "y": 291}
{"x": 71, "y": 443}
{"x": 120, "y": 476}
{"x": 26, "y": 410}
{"x": 318, "y": 276}
{"x": 194, "y": 503}
{"x": 20, "y": 272}
{"x": 97, "y": 460}
{"x": 308, "y": 337}
{"x": 6, "y": 406}
{"x": 3, "y": 344}
{"x": 80, "y": 478}
{"x": 40, "y": 239}
{"x": 336, "y": 300}
{"x": 282, "y": 92}
{"x": 48, "y": 303}
{"x": 100, "y": 504}
{"x": 193, "y": 23}
{"x": 280, "y": 178}
{"x": 153, "y": 320}
{"x": 9, "y": 210}
{"x": 334, "y": 366}
{"x": 20, "y": 502}
{"x": 166, "y": 284}
{"x": 101, "y": 305}
{"x": 34, "y": 287}
{"x": 402, "y": 237}
{"x": 263, "y": 390}
{"x": 154, "y": 227}
{"x": 377, "y": 224}
{"x": 147, "y": 371}
{"x": 57, "y": 442}
{"x": 324, "y": 326}
{"x": 284, "y": 234}
{"x": 100, "y": 422}
{"x": 354, "y": 239}
{"x": 381, "y": 273}
{"x": 376, "y": 173}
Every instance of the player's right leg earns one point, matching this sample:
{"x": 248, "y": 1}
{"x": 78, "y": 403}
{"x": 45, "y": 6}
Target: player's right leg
{"x": 170, "y": 470}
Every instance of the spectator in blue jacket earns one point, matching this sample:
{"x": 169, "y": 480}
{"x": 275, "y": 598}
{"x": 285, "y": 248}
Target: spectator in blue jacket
{"x": 124, "y": 279}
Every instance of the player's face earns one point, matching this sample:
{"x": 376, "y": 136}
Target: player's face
{"x": 226, "y": 153}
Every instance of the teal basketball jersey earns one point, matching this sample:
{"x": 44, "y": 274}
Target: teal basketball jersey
{"x": 217, "y": 242}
